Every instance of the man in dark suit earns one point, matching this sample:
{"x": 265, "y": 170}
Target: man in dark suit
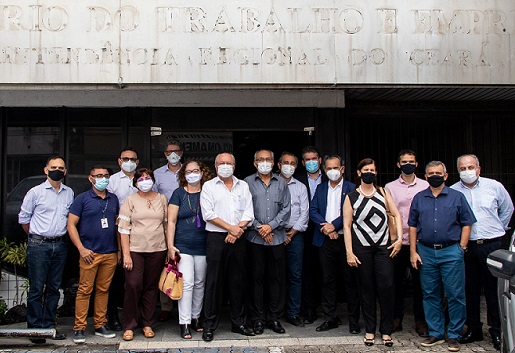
{"x": 312, "y": 176}
{"x": 326, "y": 212}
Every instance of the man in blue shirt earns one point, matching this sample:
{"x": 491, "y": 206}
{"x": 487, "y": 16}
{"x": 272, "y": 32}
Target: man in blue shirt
{"x": 493, "y": 209}
{"x": 43, "y": 216}
{"x": 92, "y": 229}
{"x": 439, "y": 228}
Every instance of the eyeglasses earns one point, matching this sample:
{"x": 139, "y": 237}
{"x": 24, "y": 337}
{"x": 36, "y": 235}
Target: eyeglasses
{"x": 195, "y": 171}
{"x": 144, "y": 178}
{"x": 168, "y": 152}
{"x": 125, "y": 159}
{"x": 99, "y": 176}
{"x": 56, "y": 168}
{"x": 259, "y": 160}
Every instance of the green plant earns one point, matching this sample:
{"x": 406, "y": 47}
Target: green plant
{"x": 15, "y": 255}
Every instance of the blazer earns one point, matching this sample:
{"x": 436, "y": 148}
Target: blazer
{"x": 318, "y": 208}
{"x": 302, "y": 176}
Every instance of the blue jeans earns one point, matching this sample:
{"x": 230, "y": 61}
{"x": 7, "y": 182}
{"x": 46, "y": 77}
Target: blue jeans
{"x": 448, "y": 267}
{"x": 45, "y": 262}
{"x": 294, "y": 252}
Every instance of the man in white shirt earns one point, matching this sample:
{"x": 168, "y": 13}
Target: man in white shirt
{"x": 121, "y": 185}
{"x": 226, "y": 205}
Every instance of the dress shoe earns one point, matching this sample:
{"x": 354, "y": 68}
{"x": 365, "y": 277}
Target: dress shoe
{"x": 421, "y": 328}
{"x": 164, "y": 316}
{"x": 471, "y": 336}
{"x": 275, "y": 326}
{"x": 208, "y": 335}
{"x": 113, "y": 321}
{"x": 59, "y": 336}
{"x": 496, "y": 341}
{"x": 259, "y": 327}
{"x": 310, "y": 317}
{"x": 38, "y": 340}
{"x": 397, "y": 325}
{"x": 339, "y": 321}
{"x": 326, "y": 326}
{"x": 295, "y": 321}
{"x": 354, "y": 329}
{"x": 243, "y": 330}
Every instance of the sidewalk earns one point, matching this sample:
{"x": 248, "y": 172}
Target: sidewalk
{"x": 295, "y": 340}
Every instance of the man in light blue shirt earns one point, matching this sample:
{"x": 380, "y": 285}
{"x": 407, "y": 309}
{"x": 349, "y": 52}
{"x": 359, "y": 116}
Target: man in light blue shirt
{"x": 294, "y": 235}
{"x": 493, "y": 209}
{"x": 43, "y": 216}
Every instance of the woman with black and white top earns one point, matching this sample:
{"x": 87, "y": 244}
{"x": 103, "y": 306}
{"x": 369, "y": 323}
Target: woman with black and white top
{"x": 370, "y": 249}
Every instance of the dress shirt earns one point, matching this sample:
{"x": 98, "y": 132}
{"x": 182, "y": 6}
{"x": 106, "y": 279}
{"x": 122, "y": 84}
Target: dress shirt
{"x": 402, "y": 194}
{"x": 271, "y": 206}
{"x": 334, "y": 200}
{"x": 46, "y": 210}
{"x": 121, "y": 185}
{"x": 299, "y": 216}
{"x": 166, "y": 181}
{"x": 440, "y": 219}
{"x": 492, "y": 207}
{"x": 313, "y": 183}
{"x": 232, "y": 206}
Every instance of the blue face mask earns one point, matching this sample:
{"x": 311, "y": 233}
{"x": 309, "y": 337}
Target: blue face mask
{"x": 312, "y": 166}
{"x": 101, "y": 184}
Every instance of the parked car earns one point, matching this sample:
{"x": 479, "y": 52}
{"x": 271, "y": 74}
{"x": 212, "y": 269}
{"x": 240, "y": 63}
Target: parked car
{"x": 501, "y": 264}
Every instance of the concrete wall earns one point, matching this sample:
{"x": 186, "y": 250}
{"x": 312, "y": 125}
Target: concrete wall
{"x": 269, "y": 42}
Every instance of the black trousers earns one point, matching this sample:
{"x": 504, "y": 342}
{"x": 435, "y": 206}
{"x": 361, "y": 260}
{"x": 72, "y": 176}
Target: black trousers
{"x": 116, "y": 291}
{"x": 402, "y": 263}
{"x": 333, "y": 262}
{"x": 311, "y": 279}
{"x": 268, "y": 274}
{"x": 478, "y": 276}
{"x": 225, "y": 262}
{"x": 376, "y": 274}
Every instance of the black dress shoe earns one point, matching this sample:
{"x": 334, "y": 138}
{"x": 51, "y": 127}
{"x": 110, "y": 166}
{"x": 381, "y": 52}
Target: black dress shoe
{"x": 38, "y": 340}
{"x": 326, "y": 326}
{"x": 310, "y": 318}
{"x": 339, "y": 321}
{"x": 113, "y": 321}
{"x": 471, "y": 336}
{"x": 354, "y": 329}
{"x": 275, "y": 326}
{"x": 259, "y": 327}
{"x": 496, "y": 341}
{"x": 59, "y": 336}
{"x": 243, "y": 330}
{"x": 295, "y": 321}
{"x": 208, "y": 335}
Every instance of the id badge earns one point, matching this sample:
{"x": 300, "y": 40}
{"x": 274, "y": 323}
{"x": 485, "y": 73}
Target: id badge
{"x": 104, "y": 223}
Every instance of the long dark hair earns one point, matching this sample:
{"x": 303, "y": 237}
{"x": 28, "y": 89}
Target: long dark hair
{"x": 364, "y": 162}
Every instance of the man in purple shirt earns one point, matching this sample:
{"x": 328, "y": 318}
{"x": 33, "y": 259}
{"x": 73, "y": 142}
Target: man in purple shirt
{"x": 403, "y": 189}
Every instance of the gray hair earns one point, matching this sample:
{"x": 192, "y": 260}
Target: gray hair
{"x": 230, "y": 154}
{"x": 272, "y": 153}
{"x": 467, "y": 155}
{"x": 436, "y": 164}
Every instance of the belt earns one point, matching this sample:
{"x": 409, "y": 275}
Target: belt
{"x": 46, "y": 239}
{"x": 485, "y": 241}
{"x": 438, "y": 246}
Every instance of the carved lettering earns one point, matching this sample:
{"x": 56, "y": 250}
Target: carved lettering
{"x": 387, "y": 21}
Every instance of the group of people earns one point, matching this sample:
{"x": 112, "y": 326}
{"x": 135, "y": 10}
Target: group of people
{"x": 311, "y": 227}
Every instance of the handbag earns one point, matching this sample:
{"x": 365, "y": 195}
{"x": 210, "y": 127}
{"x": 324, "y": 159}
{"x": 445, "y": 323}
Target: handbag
{"x": 171, "y": 282}
{"x": 392, "y": 224}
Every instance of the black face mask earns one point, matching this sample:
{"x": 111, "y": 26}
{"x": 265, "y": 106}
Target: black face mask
{"x": 408, "y": 168}
{"x": 368, "y": 177}
{"x": 56, "y": 175}
{"x": 435, "y": 180}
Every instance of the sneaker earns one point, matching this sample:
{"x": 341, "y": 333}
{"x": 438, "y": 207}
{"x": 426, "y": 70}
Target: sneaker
{"x": 78, "y": 336}
{"x": 453, "y": 345}
{"x": 431, "y": 341}
{"x": 104, "y": 332}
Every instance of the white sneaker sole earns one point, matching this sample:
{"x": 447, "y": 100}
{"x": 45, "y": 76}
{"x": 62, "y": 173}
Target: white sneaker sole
{"x": 79, "y": 340}
{"x": 111, "y": 335}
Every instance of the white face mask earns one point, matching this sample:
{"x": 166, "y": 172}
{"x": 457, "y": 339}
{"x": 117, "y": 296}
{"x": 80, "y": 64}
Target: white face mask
{"x": 287, "y": 170}
{"x": 264, "y": 167}
{"x": 145, "y": 185}
{"x": 468, "y": 176}
{"x": 225, "y": 170}
{"x": 129, "y": 166}
{"x": 334, "y": 174}
{"x": 173, "y": 158}
{"x": 193, "y": 178}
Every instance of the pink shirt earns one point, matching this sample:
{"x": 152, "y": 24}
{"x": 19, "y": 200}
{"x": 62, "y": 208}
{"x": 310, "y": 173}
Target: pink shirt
{"x": 402, "y": 195}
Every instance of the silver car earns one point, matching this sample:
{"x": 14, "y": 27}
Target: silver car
{"x": 502, "y": 265}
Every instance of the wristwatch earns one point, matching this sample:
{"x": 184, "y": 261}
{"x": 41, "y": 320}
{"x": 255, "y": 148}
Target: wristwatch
{"x": 464, "y": 248}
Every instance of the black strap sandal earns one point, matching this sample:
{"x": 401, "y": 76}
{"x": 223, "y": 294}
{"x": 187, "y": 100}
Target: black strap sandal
{"x": 388, "y": 342}
{"x": 185, "y": 331}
